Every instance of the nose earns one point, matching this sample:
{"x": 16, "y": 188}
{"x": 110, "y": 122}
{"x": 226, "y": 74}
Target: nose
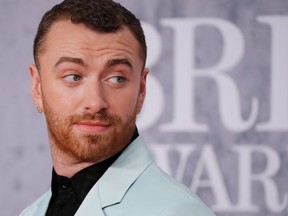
{"x": 95, "y": 98}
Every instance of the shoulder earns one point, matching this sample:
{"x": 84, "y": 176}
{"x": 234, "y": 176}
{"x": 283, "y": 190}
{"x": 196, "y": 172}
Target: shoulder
{"x": 169, "y": 197}
{"x": 187, "y": 209}
{"x": 34, "y": 207}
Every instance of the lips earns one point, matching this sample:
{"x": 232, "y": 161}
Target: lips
{"x": 93, "y": 123}
{"x": 92, "y": 126}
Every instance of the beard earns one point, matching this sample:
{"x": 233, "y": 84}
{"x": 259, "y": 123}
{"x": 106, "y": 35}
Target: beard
{"x": 89, "y": 147}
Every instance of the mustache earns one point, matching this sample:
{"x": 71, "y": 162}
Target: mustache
{"x": 99, "y": 116}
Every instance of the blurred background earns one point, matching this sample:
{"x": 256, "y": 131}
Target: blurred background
{"x": 216, "y": 113}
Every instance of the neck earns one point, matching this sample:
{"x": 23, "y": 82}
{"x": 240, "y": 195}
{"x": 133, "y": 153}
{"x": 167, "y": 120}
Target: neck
{"x": 65, "y": 165}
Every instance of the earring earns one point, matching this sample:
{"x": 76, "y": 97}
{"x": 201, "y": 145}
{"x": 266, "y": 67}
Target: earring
{"x": 39, "y": 110}
{"x": 138, "y": 110}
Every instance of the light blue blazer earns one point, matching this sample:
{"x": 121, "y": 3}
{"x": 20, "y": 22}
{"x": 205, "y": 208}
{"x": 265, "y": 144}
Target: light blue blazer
{"x": 133, "y": 186}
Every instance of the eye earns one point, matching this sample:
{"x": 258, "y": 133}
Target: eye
{"x": 72, "y": 78}
{"x": 117, "y": 79}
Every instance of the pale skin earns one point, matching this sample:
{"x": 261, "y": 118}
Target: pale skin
{"x": 82, "y": 70}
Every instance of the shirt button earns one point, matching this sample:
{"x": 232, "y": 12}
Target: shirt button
{"x": 65, "y": 186}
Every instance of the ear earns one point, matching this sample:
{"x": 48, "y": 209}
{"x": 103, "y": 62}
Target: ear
{"x": 142, "y": 92}
{"x": 36, "y": 87}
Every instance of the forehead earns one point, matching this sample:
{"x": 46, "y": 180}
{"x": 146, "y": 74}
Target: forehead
{"x": 64, "y": 36}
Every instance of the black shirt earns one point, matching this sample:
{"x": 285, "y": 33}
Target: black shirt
{"x": 69, "y": 193}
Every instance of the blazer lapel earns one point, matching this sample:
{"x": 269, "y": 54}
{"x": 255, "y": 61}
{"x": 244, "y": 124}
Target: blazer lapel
{"x": 112, "y": 186}
{"x": 43, "y": 205}
{"x": 91, "y": 205}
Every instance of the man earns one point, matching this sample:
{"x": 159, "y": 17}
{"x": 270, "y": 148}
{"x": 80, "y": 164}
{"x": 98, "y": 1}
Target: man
{"x": 89, "y": 79}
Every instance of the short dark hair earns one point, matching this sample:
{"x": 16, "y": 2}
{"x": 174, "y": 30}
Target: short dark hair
{"x": 104, "y": 16}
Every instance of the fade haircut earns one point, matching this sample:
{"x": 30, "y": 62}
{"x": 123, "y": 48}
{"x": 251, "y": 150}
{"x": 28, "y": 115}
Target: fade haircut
{"x": 105, "y": 16}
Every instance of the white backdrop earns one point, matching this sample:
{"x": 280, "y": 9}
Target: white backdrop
{"x": 216, "y": 114}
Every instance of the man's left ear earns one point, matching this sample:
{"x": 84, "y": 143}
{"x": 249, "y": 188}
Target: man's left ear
{"x": 142, "y": 92}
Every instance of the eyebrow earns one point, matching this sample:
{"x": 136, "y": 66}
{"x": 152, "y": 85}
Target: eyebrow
{"x": 64, "y": 59}
{"x": 79, "y": 61}
{"x": 124, "y": 61}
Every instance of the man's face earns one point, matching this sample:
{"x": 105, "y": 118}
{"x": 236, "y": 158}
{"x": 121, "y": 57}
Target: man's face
{"x": 91, "y": 87}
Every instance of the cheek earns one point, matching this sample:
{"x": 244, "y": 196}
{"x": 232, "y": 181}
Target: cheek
{"x": 58, "y": 99}
{"x": 124, "y": 103}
